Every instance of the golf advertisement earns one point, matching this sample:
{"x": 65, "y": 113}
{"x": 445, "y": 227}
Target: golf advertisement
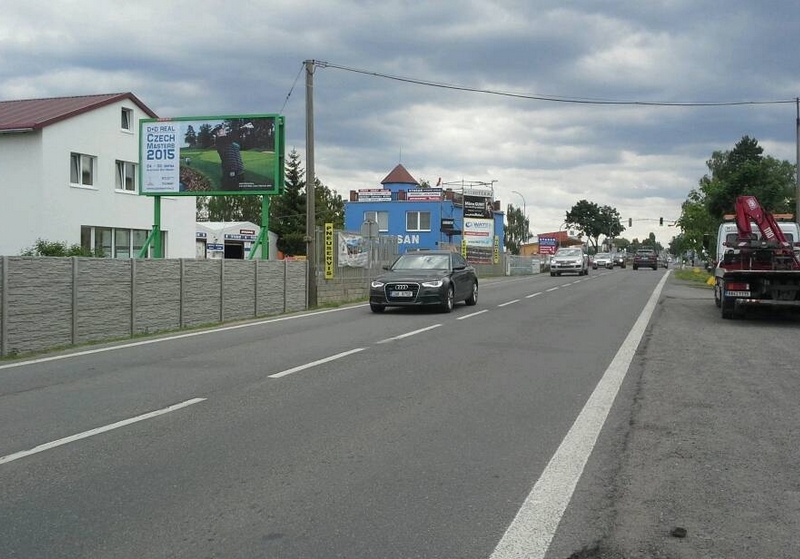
{"x": 203, "y": 156}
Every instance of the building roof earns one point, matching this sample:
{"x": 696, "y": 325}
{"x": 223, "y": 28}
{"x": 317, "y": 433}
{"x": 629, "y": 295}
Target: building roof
{"x": 34, "y": 114}
{"x": 399, "y": 175}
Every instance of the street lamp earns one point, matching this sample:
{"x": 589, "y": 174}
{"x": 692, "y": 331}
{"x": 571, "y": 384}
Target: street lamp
{"x": 524, "y": 216}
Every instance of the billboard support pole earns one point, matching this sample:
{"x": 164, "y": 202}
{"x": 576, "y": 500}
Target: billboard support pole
{"x": 157, "y": 228}
{"x": 262, "y": 241}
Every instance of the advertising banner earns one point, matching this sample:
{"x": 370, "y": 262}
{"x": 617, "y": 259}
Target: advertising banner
{"x": 215, "y": 155}
{"x": 478, "y": 206}
{"x": 353, "y": 251}
{"x": 424, "y": 194}
{"x": 547, "y": 245}
{"x": 374, "y": 195}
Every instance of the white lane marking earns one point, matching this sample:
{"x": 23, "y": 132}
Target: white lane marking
{"x": 170, "y": 338}
{"x": 469, "y": 315}
{"x": 532, "y": 530}
{"x": 98, "y": 430}
{"x": 317, "y": 362}
{"x": 508, "y": 303}
{"x": 551, "y": 289}
{"x": 577, "y": 281}
{"x": 407, "y": 334}
{"x": 533, "y": 295}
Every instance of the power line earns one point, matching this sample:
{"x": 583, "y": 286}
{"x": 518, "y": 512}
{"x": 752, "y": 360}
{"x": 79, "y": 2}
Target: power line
{"x": 552, "y": 98}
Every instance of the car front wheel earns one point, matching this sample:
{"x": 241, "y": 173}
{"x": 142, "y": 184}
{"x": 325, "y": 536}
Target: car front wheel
{"x": 473, "y": 298}
{"x": 449, "y": 300}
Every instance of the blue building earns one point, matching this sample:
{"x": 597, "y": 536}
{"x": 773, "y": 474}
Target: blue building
{"x": 466, "y": 217}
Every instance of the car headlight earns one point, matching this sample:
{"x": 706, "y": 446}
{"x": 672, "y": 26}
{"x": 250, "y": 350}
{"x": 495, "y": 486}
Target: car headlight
{"x": 433, "y": 283}
{"x": 376, "y": 284}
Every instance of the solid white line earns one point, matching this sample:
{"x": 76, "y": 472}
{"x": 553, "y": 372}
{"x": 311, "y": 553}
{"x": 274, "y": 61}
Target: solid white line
{"x": 97, "y": 431}
{"x": 508, "y": 303}
{"x": 471, "y": 315}
{"x": 170, "y": 338}
{"x": 408, "y": 334}
{"x": 533, "y": 295}
{"x": 551, "y": 289}
{"x": 532, "y": 530}
{"x": 317, "y": 362}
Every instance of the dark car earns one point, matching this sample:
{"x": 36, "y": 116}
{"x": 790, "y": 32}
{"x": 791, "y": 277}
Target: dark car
{"x": 619, "y": 259}
{"x": 645, "y": 257}
{"x": 434, "y": 277}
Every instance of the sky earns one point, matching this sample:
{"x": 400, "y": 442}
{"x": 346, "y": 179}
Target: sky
{"x": 620, "y": 102}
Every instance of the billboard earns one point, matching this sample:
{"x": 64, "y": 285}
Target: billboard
{"x": 212, "y": 155}
{"x": 478, "y": 206}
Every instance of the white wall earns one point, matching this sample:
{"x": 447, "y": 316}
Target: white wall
{"x": 35, "y": 173}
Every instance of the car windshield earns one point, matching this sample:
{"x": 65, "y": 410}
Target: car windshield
{"x": 569, "y": 252}
{"x": 602, "y": 255}
{"x": 422, "y": 262}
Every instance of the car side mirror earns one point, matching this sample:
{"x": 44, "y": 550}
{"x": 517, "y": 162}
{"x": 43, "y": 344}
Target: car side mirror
{"x": 459, "y": 267}
{"x": 386, "y": 267}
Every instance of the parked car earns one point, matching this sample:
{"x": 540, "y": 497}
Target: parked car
{"x": 602, "y": 260}
{"x": 618, "y": 259}
{"x": 572, "y": 260}
{"x": 645, "y": 257}
{"x": 423, "y": 278}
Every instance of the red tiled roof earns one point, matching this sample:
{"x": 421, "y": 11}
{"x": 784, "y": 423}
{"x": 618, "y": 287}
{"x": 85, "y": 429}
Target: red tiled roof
{"x": 34, "y": 114}
{"x": 399, "y": 175}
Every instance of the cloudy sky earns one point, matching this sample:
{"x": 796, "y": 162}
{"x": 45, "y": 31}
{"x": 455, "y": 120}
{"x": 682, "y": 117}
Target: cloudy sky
{"x": 618, "y": 102}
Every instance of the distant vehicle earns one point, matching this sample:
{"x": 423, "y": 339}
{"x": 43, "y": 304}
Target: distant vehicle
{"x": 424, "y": 278}
{"x": 645, "y": 257}
{"x": 618, "y": 259}
{"x": 602, "y": 260}
{"x": 572, "y": 260}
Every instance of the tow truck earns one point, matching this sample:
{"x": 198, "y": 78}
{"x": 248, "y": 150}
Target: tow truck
{"x": 757, "y": 269}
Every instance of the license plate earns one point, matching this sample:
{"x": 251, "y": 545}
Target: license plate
{"x": 401, "y": 294}
{"x": 737, "y": 294}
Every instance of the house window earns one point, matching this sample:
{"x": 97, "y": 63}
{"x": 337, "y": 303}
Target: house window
{"x": 122, "y": 243}
{"x": 418, "y": 221}
{"x": 381, "y": 218}
{"x": 81, "y": 169}
{"x": 126, "y": 176}
{"x": 127, "y": 120}
{"x": 127, "y": 243}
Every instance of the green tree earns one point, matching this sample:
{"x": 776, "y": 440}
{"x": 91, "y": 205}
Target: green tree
{"x": 190, "y": 137}
{"x": 288, "y": 211}
{"x": 745, "y": 170}
{"x": 593, "y": 220}
{"x": 517, "y": 229}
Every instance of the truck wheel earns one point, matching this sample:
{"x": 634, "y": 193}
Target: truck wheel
{"x": 728, "y": 309}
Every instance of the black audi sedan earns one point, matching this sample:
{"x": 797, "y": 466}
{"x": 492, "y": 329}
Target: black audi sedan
{"x": 431, "y": 277}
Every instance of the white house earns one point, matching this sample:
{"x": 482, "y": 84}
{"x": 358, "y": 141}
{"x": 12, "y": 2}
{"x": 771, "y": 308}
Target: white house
{"x": 231, "y": 239}
{"x": 69, "y": 173}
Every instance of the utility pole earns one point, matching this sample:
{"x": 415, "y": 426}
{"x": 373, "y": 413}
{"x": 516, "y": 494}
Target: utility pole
{"x": 311, "y": 251}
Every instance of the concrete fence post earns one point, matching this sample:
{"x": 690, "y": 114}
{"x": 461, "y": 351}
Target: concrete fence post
{"x": 74, "y": 335}
{"x": 4, "y": 307}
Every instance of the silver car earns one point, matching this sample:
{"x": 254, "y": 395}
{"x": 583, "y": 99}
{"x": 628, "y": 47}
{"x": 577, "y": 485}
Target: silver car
{"x": 602, "y": 260}
{"x": 572, "y": 260}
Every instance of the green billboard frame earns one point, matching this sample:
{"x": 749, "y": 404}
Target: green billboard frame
{"x": 223, "y": 155}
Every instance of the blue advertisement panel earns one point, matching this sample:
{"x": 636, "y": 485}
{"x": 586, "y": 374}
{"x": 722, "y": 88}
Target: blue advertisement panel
{"x": 215, "y": 155}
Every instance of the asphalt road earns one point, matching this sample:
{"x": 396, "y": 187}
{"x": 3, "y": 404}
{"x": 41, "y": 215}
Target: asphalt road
{"x": 556, "y": 418}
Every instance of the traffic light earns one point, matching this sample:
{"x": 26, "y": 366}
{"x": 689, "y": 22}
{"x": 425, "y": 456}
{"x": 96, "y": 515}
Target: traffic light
{"x": 630, "y": 222}
{"x": 661, "y": 221}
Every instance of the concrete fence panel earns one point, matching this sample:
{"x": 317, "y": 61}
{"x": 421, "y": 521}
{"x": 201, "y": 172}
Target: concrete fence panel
{"x": 157, "y": 295}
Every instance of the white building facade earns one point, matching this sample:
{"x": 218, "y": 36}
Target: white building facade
{"x": 69, "y": 172}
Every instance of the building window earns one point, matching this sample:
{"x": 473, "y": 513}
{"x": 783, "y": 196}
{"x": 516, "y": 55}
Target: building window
{"x": 127, "y": 120}
{"x": 418, "y": 221}
{"x": 127, "y": 243}
{"x": 122, "y": 243}
{"x": 81, "y": 169}
{"x": 381, "y": 218}
{"x": 126, "y": 176}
